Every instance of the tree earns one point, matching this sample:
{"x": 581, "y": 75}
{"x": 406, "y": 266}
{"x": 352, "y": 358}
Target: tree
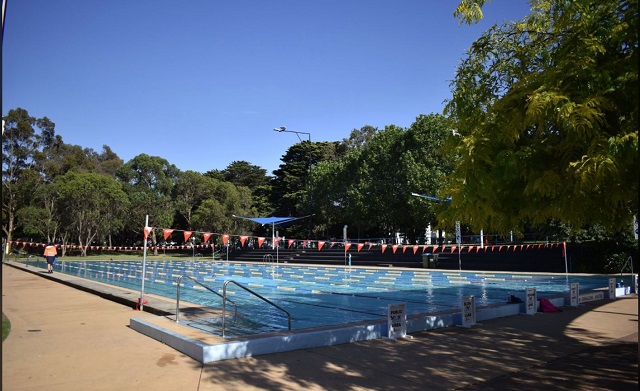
{"x": 190, "y": 190}
{"x": 360, "y": 137}
{"x": 88, "y": 201}
{"x": 148, "y": 181}
{"x": 19, "y": 145}
{"x": 242, "y": 173}
{"x": 547, "y": 113}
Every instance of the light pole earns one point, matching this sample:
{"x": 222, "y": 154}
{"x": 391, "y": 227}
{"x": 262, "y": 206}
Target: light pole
{"x": 310, "y": 191}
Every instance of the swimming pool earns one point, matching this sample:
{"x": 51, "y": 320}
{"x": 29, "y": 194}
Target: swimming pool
{"x": 318, "y": 296}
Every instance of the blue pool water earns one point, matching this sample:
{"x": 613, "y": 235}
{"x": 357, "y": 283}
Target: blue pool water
{"x": 319, "y": 296}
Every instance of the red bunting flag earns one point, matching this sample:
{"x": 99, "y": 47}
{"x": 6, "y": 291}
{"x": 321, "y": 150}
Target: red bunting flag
{"x": 147, "y": 231}
{"x": 187, "y": 235}
{"x": 276, "y": 241}
{"x": 242, "y": 240}
{"x": 404, "y": 248}
{"x": 346, "y": 246}
{"x": 291, "y": 242}
{"x": 453, "y": 248}
{"x": 206, "y": 235}
{"x": 360, "y": 245}
{"x": 415, "y": 248}
{"x": 424, "y": 248}
{"x": 167, "y": 232}
{"x": 394, "y": 248}
{"x": 320, "y": 244}
{"x": 370, "y": 245}
{"x": 304, "y": 243}
{"x": 225, "y": 239}
{"x": 435, "y": 248}
{"x": 384, "y": 247}
{"x": 332, "y": 244}
{"x": 260, "y": 241}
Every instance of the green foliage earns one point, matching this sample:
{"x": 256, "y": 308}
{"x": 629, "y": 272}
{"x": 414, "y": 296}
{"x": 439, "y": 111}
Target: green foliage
{"x": 546, "y": 109}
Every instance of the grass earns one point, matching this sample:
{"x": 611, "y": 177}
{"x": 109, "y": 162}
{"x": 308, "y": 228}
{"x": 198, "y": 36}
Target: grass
{"x": 6, "y": 326}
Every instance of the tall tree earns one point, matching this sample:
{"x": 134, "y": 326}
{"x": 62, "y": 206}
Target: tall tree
{"x": 242, "y": 173}
{"x": 19, "y": 145}
{"x": 149, "y": 181}
{"x": 88, "y": 202}
{"x": 547, "y": 113}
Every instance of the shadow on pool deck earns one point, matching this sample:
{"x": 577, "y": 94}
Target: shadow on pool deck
{"x": 65, "y": 339}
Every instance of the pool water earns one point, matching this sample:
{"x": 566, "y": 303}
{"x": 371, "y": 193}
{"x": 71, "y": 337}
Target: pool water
{"x": 318, "y": 296}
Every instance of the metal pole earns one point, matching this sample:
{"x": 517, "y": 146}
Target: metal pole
{"x": 144, "y": 265}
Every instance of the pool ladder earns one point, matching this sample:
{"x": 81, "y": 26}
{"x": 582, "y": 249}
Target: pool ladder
{"x": 225, "y": 299}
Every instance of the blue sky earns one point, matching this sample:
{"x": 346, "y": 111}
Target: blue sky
{"x": 202, "y": 83}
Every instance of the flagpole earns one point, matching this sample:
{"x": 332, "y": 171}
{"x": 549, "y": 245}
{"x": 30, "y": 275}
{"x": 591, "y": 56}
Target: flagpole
{"x": 144, "y": 264}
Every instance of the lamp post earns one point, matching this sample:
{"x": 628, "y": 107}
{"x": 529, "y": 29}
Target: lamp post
{"x": 310, "y": 191}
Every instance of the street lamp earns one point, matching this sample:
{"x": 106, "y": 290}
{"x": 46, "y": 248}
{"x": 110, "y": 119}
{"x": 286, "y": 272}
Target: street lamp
{"x": 284, "y": 129}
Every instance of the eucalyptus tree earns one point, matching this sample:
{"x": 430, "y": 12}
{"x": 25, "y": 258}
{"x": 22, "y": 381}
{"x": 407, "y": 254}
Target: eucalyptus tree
{"x": 87, "y": 203}
{"x": 547, "y": 113}
{"x": 242, "y": 173}
{"x": 149, "y": 181}
{"x": 190, "y": 190}
{"x": 19, "y": 178}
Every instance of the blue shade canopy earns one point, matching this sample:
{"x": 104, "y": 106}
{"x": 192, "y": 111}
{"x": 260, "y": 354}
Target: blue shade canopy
{"x": 271, "y": 220}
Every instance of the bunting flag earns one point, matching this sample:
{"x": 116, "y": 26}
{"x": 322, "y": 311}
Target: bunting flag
{"x": 415, "y": 248}
{"x": 453, "y": 248}
{"x": 383, "y": 247}
{"x": 291, "y": 242}
{"x": 225, "y": 239}
{"x": 435, "y": 248}
{"x": 360, "y": 245}
{"x": 304, "y": 243}
{"x": 332, "y": 244}
{"x": 147, "y": 231}
{"x": 346, "y": 246}
{"x": 167, "y": 233}
{"x": 242, "y": 240}
{"x": 500, "y": 248}
{"x": 394, "y": 248}
{"x": 370, "y": 245}
{"x": 320, "y": 244}
{"x": 187, "y": 235}
{"x": 260, "y": 241}
{"x": 404, "y": 248}
{"x": 276, "y": 241}
{"x": 206, "y": 235}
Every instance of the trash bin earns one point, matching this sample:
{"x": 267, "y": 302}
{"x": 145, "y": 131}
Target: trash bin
{"x": 425, "y": 260}
{"x": 429, "y": 261}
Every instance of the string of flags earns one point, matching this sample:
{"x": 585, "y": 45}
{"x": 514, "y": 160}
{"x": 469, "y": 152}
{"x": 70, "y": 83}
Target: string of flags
{"x": 319, "y": 244}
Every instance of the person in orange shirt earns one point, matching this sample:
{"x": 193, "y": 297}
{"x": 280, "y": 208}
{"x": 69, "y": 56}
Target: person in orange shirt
{"x": 50, "y": 254}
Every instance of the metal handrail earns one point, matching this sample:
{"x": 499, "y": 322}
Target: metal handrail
{"x": 629, "y": 261}
{"x": 224, "y": 295}
{"x": 267, "y": 258}
{"x": 224, "y": 299}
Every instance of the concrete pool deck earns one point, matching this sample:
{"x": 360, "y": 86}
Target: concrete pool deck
{"x": 63, "y": 338}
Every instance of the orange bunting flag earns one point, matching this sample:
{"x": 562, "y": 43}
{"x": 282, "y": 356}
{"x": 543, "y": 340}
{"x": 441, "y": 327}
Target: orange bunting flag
{"x": 453, "y": 248}
{"x": 167, "y": 232}
{"x": 260, "y": 241}
{"x": 291, "y": 242}
{"x": 147, "y": 231}
{"x": 320, "y": 244}
{"x": 332, "y": 244}
{"x": 206, "y": 235}
{"x": 424, "y": 248}
{"x": 435, "y": 248}
{"x": 360, "y": 245}
{"x": 384, "y": 247}
{"x": 415, "y": 248}
{"x": 404, "y": 248}
{"x": 370, "y": 245}
{"x": 394, "y": 248}
{"x": 225, "y": 239}
{"x": 187, "y": 235}
{"x": 304, "y": 243}
{"x": 346, "y": 246}
{"x": 276, "y": 241}
{"x": 242, "y": 240}
{"x": 500, "y": 248}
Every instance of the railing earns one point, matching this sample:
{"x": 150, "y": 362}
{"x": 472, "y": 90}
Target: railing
{"x": 224, "y": 295}
{"x": 629, "y": 261}
{"x": 224, "y": 299}
{"x": 267, "y": 258}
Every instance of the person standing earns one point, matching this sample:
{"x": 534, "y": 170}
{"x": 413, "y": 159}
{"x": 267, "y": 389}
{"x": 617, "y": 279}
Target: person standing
{"x": 50, "y": 254}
